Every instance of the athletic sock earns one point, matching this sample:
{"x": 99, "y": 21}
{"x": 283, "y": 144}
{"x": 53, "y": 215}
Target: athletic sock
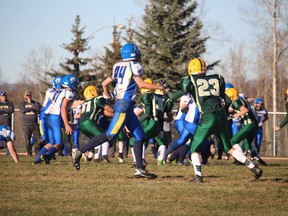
{"x": 95, "y": 141}
{"x": 133, "y": 154}
{"x": 183, "y": 153}
{"x": 105, "y": 147}
{"x": 121, "y": 146}
{"x": 51, "y": 151}
{"x": 238, "y": 148}
{"x": 41, "y": 152}
{"x": 161, "y": 152}
{"x": 97, "y": 152}
{"x": 138, "y": 153}
{"x": 195, "y": 157}
{"x": 243, "y": 159}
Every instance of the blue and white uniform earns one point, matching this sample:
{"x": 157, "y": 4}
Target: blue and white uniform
{"x": 126, "y": 88}
{"x": 53, "y": 116}
{"x": 186, "y": 123}
{"x": 6, "y": 134}
{"x": 49, "y": 98}
{"x": 261, "y": 115}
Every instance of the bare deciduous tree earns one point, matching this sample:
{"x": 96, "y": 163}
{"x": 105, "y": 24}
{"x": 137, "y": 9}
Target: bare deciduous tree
{"x": 38, "y": 63}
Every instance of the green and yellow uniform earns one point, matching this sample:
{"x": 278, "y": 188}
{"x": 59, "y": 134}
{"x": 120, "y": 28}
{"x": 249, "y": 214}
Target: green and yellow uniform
{"x": 249, "y": 123}
{"x": 152, "y": 120}
{"x": 208, "y": 92}
{"x": 91, "y": 112}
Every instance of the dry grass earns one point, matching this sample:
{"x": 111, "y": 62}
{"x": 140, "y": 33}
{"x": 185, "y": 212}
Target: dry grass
{"x": 111, "y": 189}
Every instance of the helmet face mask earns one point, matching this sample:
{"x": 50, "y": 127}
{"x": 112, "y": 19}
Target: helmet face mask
{"x": 197, "y": 66}
{"x": 130, "y": 52}
{"x": 90, "y": 92}
{"x": 232, "y": 93}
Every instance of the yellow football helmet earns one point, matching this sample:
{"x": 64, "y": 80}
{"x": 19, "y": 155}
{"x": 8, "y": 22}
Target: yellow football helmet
{"x": 90, "y": 92}
{"x": 286, "y": 92}
{"x": 143, "y": 90}
{"x": 197, "y": 66}
{"x": 232, "y": 93}
{"x": 159, "y": 91}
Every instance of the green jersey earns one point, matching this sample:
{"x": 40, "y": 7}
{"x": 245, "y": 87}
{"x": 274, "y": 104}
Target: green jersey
{"x": 208, "y": 91}
{"x": 92, "y": 109}
{"x": 249, "y": 117}
{"x": 161, "y": 105}
{"x": 146, "y": 105}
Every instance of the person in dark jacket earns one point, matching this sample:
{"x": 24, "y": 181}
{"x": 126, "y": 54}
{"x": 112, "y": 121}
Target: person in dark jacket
{"x": 29, "y": 112}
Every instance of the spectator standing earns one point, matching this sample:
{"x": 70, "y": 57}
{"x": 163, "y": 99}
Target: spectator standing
{"x": 29, "y": 112}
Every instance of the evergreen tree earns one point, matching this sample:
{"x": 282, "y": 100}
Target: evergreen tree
{"x": 110, "y": 57}
{"x": 78, "y": 46}
{"x": 170, "y": 38}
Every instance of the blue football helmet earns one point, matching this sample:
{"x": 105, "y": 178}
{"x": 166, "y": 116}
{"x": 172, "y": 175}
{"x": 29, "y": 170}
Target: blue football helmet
{"x": 56, "y": 82}
{"x": 130, "y": 52}
{"x": 258, "y": 101}
{"x": 228, "y": 85}
{"x": 70, "y": 81}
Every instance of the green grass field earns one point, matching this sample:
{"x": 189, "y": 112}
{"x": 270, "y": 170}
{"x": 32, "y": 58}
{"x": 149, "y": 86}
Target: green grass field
{"x": 111, "y": 189}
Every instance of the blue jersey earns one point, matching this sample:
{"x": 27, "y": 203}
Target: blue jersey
{"x": 123, "y": 73}
{"x": 6, "y": 133}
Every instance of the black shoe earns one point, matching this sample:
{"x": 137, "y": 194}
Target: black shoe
{"x": 197, "y": 179}
{"x": 142, "y": 173}
{"x": 37, "y": 162}
{"x": 258, "y": 172}
{"x": 45, "y": 158}
{"x": 76, "y": 159}
{"x": 262, "y": 162}
{"x": 105, "y": 159}
{"x": 121, "y": 158}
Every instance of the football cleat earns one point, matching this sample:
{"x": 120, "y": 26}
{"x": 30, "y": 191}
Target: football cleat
{"x": 105, "y": 159}
{"x": 76, "y": 159}
{"x": 257, "y": 171}
{"x": 37, "y": 162}
{"x": 142, "y": 173}
{"x": 197, "y": 179}
{"x": 121, "y": 158}
{"x": 45, "y": 158}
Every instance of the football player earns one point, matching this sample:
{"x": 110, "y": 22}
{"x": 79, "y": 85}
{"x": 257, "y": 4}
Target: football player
{"x": 208, "y": 92}
{"x": 93, "y": 108}
{"x": 57, "y": 117}
{"x": 126, "y": 75}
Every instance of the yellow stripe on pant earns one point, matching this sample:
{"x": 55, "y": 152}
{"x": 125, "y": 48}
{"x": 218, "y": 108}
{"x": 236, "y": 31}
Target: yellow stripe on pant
{"x": 119, "y": 123}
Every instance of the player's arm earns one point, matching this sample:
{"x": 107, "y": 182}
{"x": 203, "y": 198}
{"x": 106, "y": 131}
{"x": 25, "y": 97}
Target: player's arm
{"x": 108, "y": 111}
{"x": 105, "y": 85}
{"x": 242, "y": 111}
{"x": 141, "y": 84}
{"x": 185, "y": 87}
{"x": 64, "y": 115}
